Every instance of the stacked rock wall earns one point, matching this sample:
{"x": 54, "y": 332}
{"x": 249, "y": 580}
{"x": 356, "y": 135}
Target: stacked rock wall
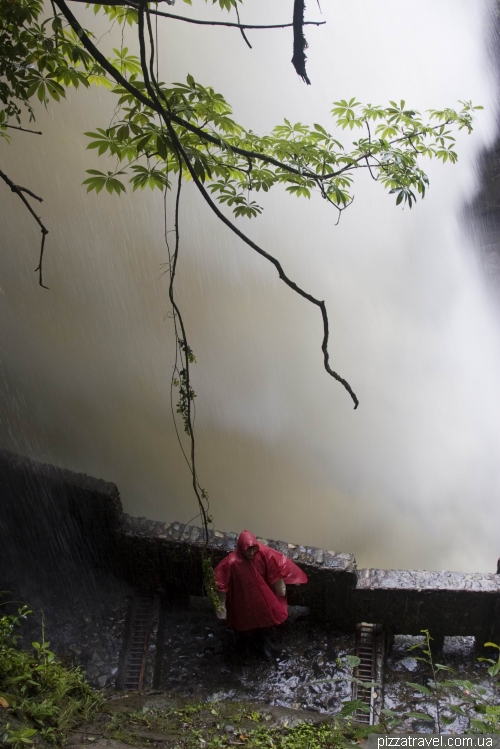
{"x": 158, "y": 555}
{"x": 51, "y": 519}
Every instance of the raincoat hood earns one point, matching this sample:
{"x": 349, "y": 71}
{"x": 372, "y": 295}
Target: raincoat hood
{"x": 245, "y": 541}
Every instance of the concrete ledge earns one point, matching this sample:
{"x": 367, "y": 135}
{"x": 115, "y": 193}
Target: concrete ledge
{"x": 193, "y": 535}
{"x": 422, "y": 580}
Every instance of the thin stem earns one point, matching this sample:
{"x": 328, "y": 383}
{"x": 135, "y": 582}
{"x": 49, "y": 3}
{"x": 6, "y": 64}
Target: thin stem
{"x": 186, "y": 362}
{"x": 241, "y": 27}
{"x": 24, "y": 129}
{"x": 435, "y": 681}
{"x": 184, "y": 349}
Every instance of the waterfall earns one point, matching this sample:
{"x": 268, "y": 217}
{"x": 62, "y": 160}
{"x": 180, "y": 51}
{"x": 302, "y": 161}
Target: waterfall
{"x": 410, "y": 479}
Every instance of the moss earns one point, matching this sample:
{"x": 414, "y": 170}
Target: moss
{"x": 220, "y": 725}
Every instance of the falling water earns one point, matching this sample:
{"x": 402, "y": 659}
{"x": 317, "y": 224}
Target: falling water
{"x": 410, "y": 479}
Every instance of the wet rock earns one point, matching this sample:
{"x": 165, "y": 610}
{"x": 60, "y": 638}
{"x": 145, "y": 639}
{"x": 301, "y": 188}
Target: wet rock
{"x": 409, "y": 664}
{"x": 318, "y": 555}
{"x": 317, "y": 670}
{"x": 423, "y": 726}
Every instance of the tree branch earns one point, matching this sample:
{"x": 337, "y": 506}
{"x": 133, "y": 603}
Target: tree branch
{"x": 16, "y": 127}
{"x": 271, "y": 259}
{"x": 18, "y": 190}
{"x": 119, "y": 78}
{"x": 135, "y": 6}
{"x": 155, "y": 105}
{"x": 168, "y": 118}
{"x": 299, "y": 41}
{"x": 241, "y": 27}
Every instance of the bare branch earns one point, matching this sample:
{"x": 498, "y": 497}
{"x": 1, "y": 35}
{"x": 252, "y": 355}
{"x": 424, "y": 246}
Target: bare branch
{"x": 197, "y": 21}
{"x": 25, "y": 189}
{"x": 241, "y": 27}
{"x": 259, "y": 27}
{"x": 25, "y": 130}
{"x": 18, "y": 190}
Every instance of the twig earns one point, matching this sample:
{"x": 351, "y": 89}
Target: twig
{"x": 241, "y": 27}
{"x": 197, "y": 21}
{"x": 19, "y": 192}
{"x": 25, "y": 130}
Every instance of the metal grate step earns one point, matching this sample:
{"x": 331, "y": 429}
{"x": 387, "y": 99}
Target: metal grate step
{"x": 135, "y": 648}
{"x": 367, "y": 641}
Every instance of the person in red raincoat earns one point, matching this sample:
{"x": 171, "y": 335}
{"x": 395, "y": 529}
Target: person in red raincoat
{"x": 252, "y": 589}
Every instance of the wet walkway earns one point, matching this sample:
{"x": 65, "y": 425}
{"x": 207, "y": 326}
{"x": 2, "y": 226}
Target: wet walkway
{"x": 201, "y": 656}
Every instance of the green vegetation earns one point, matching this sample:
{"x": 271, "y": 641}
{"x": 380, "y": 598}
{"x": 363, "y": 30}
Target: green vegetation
{"x": 41, "y": 700}
{"x": 209, "y": 582}
{"x": 39, "y": 696}
{"x": 217, "y": 725}
{"x": 447, "y": 698}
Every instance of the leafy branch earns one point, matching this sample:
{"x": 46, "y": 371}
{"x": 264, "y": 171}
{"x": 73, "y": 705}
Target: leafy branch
{"x": 187, "y": 129}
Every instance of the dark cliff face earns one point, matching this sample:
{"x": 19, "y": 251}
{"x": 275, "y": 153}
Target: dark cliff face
{"x": 483, "y": 213}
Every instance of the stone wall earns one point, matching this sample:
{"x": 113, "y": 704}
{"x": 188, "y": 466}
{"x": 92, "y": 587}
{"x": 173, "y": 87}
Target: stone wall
{"x": 54, "y": 521}
{"x": 157, "y": 555}
{"x": 446, "y": 603}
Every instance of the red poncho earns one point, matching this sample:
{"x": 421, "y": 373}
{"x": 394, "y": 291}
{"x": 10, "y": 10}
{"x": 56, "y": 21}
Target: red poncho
{"x": 251, "y": 601}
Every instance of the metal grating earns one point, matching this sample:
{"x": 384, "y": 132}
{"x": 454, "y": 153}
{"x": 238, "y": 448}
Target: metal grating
{"x": 135, "y": 650}
{"x": 366, "y": 650}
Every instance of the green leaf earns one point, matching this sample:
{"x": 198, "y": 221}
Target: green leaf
{"x": 350, "y": 707}
{"x": 440, "y": 667}
{"x": 353, "y": 660}
{"x": 494, "y": 670}
{"x": 419, "y": 688}
{"x": 161, "y": 147}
